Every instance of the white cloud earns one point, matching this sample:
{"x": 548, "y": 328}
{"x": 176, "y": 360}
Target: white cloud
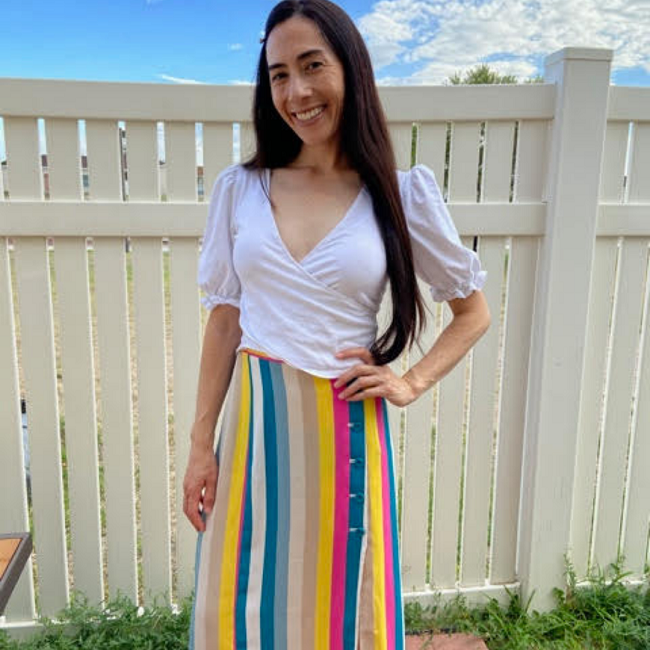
{"x": 179, "y": 80}
{"x": 447, "y": 37}
{"x": 235, "y": 46}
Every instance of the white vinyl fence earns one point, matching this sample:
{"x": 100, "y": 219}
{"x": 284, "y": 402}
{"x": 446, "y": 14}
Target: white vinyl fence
{"x": 537, "y": 444}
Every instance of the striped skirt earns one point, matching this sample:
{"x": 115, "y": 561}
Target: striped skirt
{"x": 300, "y": 551}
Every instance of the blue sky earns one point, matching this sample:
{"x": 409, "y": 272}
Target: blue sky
{"x": 217, "y": 42}
{"x": 410, "y": 41}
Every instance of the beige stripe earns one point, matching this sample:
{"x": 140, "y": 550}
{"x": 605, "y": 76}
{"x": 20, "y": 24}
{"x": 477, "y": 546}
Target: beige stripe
{"x": 312, "y": 499}
{"x": 297, "y": 512}
{"x": 207, "y": 599}
{"x": 367, "y": 635}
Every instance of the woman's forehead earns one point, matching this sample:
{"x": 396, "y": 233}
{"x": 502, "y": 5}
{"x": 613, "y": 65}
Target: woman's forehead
{"x": 295, "y": 38}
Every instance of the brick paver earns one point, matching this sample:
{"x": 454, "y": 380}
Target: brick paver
{"x": 445, "y": 642}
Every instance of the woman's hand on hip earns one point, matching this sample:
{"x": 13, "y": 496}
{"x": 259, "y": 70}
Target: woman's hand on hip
{"x": 200, "y": 484}
{"x": 370, "y": 380}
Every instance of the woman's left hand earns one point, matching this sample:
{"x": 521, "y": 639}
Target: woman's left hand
{"x": 371, "y": 380}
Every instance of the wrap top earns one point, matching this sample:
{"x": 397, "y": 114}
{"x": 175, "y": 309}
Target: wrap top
{"x": 304, "y": 312}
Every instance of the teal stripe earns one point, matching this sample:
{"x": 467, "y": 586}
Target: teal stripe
{"x": 267, "y": 610}
{"x": 355, "y": 518}
{"x": 399, "y": 610}
{"x": 246, "y": 535}
{"x": 197, "y": 565}
{"x": 284, "y": 504}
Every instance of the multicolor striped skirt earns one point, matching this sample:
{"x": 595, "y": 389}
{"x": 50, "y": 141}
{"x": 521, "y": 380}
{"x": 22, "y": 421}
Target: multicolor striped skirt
{"x": 300, "y": 551}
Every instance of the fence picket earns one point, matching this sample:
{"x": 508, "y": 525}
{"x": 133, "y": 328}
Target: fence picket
{"x": 180, "y": 161}
{"x": 417, "y": 468}
{"x": 635, "y": 531}
{"x": 37, "y": 338}
{"x": 186, "y": 346}
{"x": 78, "y": 370}
{"x": 24, "y": 176}
{"x": 104, "y": 167}
{"x": 116, "y": 414}
{"x": 601, "y": 296}
{"x": 13, "y": 514}
{"x": 522, "y": 268}
{"x": 63, "y": 159}
{"x": 614, "y": 446}
{"x": 149, "y": 321}
{"x": 480, "y": 433}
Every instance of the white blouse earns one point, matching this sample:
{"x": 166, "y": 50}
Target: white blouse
{"x": 304, "y": 312}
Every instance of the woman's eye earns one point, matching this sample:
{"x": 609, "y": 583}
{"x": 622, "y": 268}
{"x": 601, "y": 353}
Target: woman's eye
{"x": 281, "y": 74}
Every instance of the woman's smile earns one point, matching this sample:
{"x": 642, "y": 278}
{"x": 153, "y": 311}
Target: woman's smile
{"x": 309, "y": 117}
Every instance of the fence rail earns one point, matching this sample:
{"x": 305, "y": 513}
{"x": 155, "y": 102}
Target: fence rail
{"x": 533, "y": 446}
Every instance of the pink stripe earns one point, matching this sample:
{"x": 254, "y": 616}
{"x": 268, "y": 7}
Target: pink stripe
{"x": 388, "y": 541}
{"x": 341, "y": 515}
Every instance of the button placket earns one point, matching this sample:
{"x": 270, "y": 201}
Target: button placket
{"x": 356, "y": 495}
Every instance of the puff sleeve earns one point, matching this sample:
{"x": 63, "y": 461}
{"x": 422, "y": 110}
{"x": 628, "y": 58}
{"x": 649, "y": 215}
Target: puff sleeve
{"x": 216, "y": 273}
{"x": 449, "y": 268}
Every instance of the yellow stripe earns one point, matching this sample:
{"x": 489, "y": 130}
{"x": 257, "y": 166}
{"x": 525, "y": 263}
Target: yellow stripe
{"x": 376, "y": 522}
{"x": 326, "y": 521}
{"x": 231, "y": 541}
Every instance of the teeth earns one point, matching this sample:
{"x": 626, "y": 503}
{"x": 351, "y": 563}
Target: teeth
{"x": 309, "y": 114}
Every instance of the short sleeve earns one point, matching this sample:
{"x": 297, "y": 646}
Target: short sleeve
{"x": 216, "y": 274}
{"x": 449, "y": 268}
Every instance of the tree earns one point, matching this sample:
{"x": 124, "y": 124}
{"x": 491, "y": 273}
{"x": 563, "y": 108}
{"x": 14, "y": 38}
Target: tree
{"x": 481, "y": 74}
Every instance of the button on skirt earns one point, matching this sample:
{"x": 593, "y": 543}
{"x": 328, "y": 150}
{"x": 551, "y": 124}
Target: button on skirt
{"x": 301, "y": 549}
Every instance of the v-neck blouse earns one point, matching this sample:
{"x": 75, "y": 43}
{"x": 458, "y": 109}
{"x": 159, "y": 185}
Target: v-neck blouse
{"x": 303, "y": 312}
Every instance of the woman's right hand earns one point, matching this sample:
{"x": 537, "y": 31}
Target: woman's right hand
{"x": 200, "y": 484}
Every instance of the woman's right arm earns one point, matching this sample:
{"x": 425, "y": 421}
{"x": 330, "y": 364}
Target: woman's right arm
{"x": 221, "y": 338}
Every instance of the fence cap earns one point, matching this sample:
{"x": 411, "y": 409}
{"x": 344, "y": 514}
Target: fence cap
{"x": 584, "y": 53}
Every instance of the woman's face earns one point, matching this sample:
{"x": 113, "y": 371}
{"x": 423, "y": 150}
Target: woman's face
{"x": 305, "y": 74}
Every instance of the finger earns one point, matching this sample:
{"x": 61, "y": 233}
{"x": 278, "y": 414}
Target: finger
{"x": 375, "y": 391}
{"x": 346, "y": 377}
{"x": 356, "y": 371}
{"x": 191, "y": 510}
{"x": 362, "y": 353}
{"x": 209, "y": 496}
{"x": 359, "y": 384}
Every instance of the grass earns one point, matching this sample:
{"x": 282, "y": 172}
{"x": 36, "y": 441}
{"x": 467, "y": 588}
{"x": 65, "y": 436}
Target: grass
{"x": 605, "y": 615}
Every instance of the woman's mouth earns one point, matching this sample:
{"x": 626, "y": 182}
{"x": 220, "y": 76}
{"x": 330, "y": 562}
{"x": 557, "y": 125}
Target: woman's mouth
{"x": 309, "y": 117}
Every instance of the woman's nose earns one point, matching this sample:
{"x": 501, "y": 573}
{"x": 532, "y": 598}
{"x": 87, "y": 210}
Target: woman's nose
{"x": 299, "y": 87}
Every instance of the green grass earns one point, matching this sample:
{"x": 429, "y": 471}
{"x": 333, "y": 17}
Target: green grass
{"x": 121, "y": 625}
{"x": 605, "y": 615}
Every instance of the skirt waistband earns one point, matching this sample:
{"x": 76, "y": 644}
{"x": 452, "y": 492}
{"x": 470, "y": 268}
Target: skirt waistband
{"x": 261, "y": 355}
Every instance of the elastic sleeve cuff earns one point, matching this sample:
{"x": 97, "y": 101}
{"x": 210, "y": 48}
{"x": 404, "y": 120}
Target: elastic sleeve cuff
{"x": 210, "y": 302}
{"x": 476, "y": 282}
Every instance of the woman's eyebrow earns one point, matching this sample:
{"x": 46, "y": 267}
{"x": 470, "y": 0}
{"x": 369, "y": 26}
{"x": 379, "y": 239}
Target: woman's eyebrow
{"x": 300, "y": 57}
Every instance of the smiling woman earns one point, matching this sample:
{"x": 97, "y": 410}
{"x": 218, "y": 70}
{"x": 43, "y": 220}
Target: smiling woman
{"x": 296, "y": 510}
{"x": 307, "y": 84}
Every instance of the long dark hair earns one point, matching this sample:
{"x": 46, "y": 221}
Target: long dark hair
{"x": 365, "y": 141}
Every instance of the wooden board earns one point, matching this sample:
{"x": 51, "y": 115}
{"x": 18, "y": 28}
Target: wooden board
{"x": 8, "y": 547}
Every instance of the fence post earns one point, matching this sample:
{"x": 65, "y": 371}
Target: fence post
{"x": 581, "y": 77}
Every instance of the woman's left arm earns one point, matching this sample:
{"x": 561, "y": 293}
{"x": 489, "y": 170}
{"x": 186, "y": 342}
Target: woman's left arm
{"x": 470, "y": 321}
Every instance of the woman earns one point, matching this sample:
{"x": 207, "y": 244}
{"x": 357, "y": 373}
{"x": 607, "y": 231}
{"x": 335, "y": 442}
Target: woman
{"x": 297, "y": 545}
